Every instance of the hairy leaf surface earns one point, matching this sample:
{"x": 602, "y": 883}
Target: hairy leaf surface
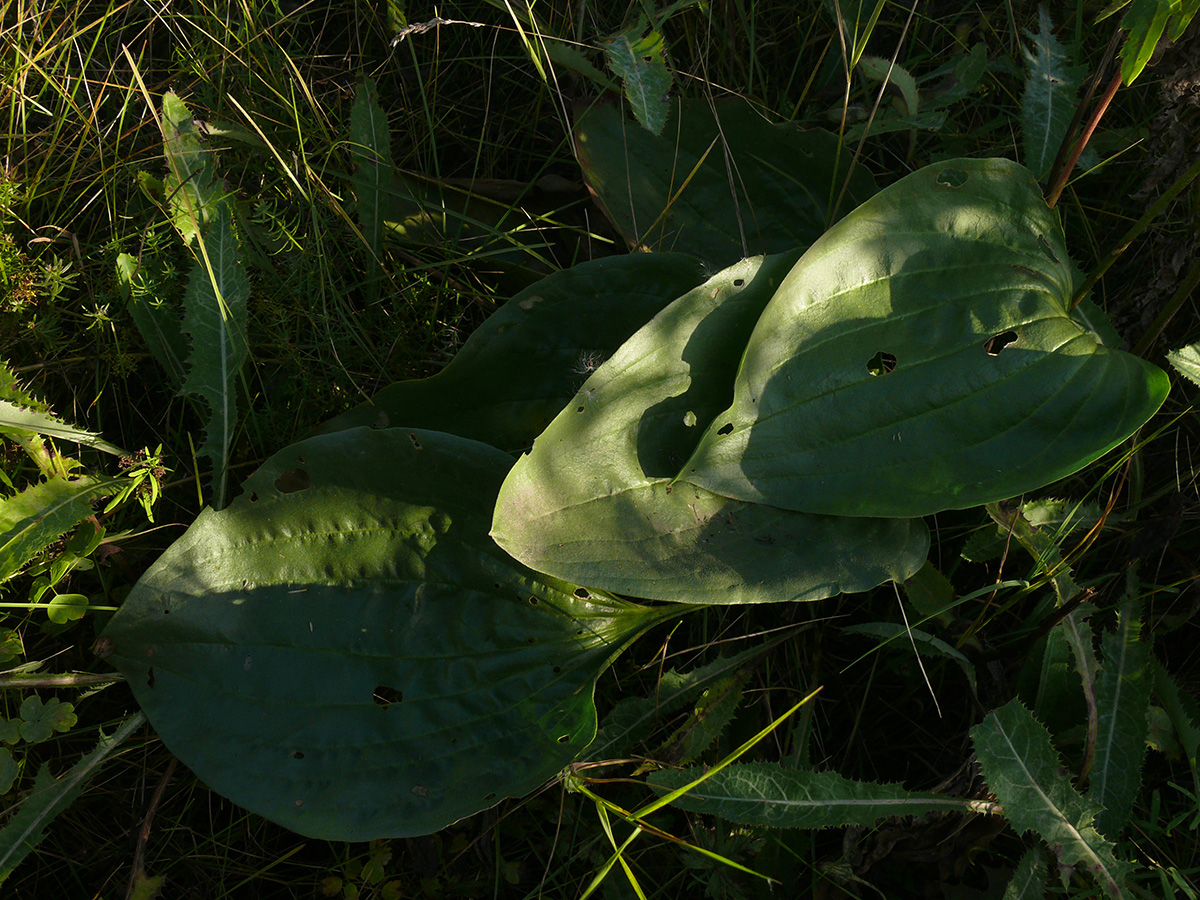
{"x": 519, "y": 369}
{"x": 344, "y": 651}
{"x": 921, "y": 357}
{"x": 1049, "y": 101}
{"x": 712, "y": 185}
{"x": 1023, "y": 770}
{"x": 593, "y": 501}
{"x": 768, "y": 794}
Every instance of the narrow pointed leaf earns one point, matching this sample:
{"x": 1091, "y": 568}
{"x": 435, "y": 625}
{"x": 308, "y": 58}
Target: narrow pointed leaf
{"x": 921, "y": 357}
{"x": 370, "y": 148}
{"x": 215, "y": 318}
{"x": 40, "y": 514}
{"x": 593, "y": 501}
{"x": 1049, "y": 101}
{"x": 723, "y": 191}
{"x": 519, "y": 369}
{"x": 1029, "y": 881}
{"x": 767, "y": 794}
{"x": 1123, "y": 699}
{"x": 344, "y": 651}
{"x": 15, "y": 418}
{"x": 1023, "y": 770}
{"x": 160, "y": 326}
{"x": 193, "y": 194}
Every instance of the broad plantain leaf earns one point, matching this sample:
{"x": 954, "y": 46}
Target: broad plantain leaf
{"x": 767, "y": 794}
{"x": 593, "y": 502}
{"x": 518, "y": 369}
{"x": 344, "y": 651}
{"x": 921, "y": 357}
{"x": 720, "y": 186}
{"x": 1023, "y": 770}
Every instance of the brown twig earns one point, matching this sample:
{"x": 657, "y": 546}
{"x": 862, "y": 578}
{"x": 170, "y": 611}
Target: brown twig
{"x": 139, "y": 853}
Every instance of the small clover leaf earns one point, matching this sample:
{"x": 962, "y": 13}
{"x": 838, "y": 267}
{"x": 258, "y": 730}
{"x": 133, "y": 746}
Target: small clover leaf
{"x": 10, "y": 731}
{"x": 39, "y": 720}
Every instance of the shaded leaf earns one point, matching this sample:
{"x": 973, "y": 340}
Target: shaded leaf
{"x": 370, "y": 148}
{"x": 593, "y": 501}
{"x": 920, "y": 357}
{"x": 344, "y": 651}
{"x": 160, "y": 326}
{"x": 545, "y": 342}
{"x": 766, "y": 794}
{"x": 720, "y": 186}
{"x": 49, "y": 796}
{"x": 1023, "y": 770}
{"x": 1029, "y": 881}
{"x": 40, "y": 720}
{"x": 1050, "y": 98}
{"x": 707, "y": 721}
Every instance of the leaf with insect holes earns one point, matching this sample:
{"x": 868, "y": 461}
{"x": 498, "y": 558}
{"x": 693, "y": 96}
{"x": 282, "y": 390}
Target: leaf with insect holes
{"x": 636, "y": 55}
{"x": 770, "y": 795}
{"x": 593, "y": 501}
{"x": 344, "y": 651}
{"x": 1023, "y": 770}
{"x": 920, "y": 357}
{"x": 545, "y": 342}
{"x": 721, "y": 183}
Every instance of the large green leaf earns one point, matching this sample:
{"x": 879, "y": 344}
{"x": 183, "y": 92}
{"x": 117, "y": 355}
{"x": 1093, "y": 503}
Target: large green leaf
{"x": 921, "y": 357}
{"x": 593, "y": 502}
{"x": 344, "y": 650}
{"x": 519, "y": 368}
{"x": 721, "y": 186}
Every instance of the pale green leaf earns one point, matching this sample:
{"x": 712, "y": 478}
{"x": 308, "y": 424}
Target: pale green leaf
{"x": 344, "y": 651}
{"x": 35, "y": 518}
{"x": 593, "y": 501}
{"x": 16, "y": 418}
{"x": 215, "y": 318}
{"x": 766, "y": 794}
{"x": 638, "y": 60}
{"x": 1051, "y": 89}
{"x": 921, "y": 357}
{"x": 877, "y": 68}
{"x": 1023, "y": 770}
{"x": 1186, "y": 361}
{"x": 192, "y": 192}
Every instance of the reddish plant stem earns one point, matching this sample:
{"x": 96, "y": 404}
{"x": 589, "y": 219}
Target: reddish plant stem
{"x": 1077, "y": 150}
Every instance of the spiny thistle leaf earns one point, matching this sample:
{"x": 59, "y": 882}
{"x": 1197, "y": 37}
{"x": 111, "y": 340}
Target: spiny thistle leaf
{"x": 1023, "y": 770}
{"x": 36, "y": 517}
{"x": 370, "y": 148}
{"x": 1123, "y": 698}
{"x": 1029, "y": 881}
{"x": 192, "y": 192}
{"x": 638, "y": 59}
{"x": 1186, "y": 361}
{"x": 215, "y": 302}
{"x": 767, "y": 794}
{"x": 1051, "y": 86}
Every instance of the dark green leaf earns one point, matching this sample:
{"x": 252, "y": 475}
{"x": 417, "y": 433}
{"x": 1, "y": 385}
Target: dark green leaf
{"x": 638, "y": 59}
{"x": 519, "y": 368}
{"x": 723, "y": 191}
{"x": 345, "y": 651}
{"x": 921, "y": 357}
{"x": 370, "y": 147}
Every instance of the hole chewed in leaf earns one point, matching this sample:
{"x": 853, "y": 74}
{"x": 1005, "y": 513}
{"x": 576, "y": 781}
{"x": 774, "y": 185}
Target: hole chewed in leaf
{"x": 582, "y": 593}
{"x": 298, "y": 754}
{"x": 738, "y": 282}
{"x": 882, "y": 363}
{"x": 385, "y": 696}
{"x": 952, "y": 178}
{"x": 1044, "y": 246}
{"x": 727, "y": 428}
{"x": 563, "y": 738}
{"x": 150, "y": 677}
{"x": 413, "y": 440}
{"x": 294, "y": 480}
{"x": 999, "y": 342}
